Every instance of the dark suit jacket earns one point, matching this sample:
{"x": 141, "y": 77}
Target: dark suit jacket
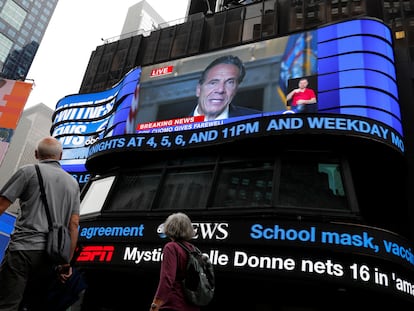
{"x": 238, "y": 111}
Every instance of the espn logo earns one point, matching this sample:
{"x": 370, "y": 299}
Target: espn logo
{"x": 96, "y": 253}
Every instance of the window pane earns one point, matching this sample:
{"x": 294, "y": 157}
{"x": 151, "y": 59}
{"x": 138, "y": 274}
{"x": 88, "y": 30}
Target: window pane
{"x": 185, "y": 190}
{"x": 134, "y": 192}
{"x": 5, "y": 47}
{"x": 95, "y": 197}
{"x": 310, "y": 184}
{"x": 252, "y": 22}
{"x": 13, "y": 14}
{"x": 245, "y": 185}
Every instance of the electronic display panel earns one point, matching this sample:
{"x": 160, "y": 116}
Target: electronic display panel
{"x": 80, "y": 120}
{"x": 349, "y": 255}
{"x": 349, "y": 66}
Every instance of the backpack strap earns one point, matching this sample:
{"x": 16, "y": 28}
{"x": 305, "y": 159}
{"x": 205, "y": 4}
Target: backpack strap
{"x": 186, "y": 248}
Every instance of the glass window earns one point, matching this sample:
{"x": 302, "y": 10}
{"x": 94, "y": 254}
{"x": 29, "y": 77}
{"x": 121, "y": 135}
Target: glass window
{"x": 311, "y": 184}
{"x": 13, "y": 14}
{"x": 96, "y": 195}
{"x": 185, "y": 189}
{"x": 5, "y": 47}
{"x": 11, "y": 32}
{"x": 233, "y": 26}
{"x": 252, "y": 22}
{"x": 134, "y": 192}
{"x": 26, "y": 3}
{"x": 293, "y": 181}
{"x": 244, "y": 184}
{"x": 46, "y": 11}
{"x": 37, "y": 33}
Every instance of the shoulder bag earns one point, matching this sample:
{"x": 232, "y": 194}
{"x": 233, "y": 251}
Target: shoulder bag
{"x": 58, "y": 240}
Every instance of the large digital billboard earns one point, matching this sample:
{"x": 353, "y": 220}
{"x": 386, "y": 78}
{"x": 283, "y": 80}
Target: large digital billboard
{"x": 349, "y": 66}
{"x": 338, "y": 79}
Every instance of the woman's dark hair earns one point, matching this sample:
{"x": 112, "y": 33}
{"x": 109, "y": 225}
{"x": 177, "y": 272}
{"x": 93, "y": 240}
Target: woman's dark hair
{"x": 227, "y": 59}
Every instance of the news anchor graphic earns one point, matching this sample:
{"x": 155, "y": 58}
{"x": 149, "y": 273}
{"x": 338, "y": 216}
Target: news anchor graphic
{"x": 217, "y": 87}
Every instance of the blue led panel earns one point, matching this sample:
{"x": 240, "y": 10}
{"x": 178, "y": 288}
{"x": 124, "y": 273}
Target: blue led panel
{"x": 359, "y": 97}
{"x": 350, "y": 28}
{"x": 356, "y": 60}
{"x": 356, "y": 73}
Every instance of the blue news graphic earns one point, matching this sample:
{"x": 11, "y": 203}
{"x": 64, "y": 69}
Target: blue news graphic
{"x": 82, "y": 119}
{"x": 112, "y": 231}
{"x": 361, "y": 239}
{"x": 262, "y": 126}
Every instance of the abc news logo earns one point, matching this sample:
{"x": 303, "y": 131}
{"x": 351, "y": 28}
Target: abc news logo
{"x": 204, "y": 230}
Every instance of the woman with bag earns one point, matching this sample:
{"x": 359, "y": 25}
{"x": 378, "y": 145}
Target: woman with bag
{"x": 170, "y": 294}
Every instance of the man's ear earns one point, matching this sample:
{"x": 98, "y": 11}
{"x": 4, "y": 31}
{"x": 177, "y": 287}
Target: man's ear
{"x": 60, "y": 156}
{"x": 36, "y": 155}
{"x": 198, "y": 90}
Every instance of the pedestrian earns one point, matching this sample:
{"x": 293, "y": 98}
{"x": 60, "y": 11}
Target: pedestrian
{"x": 170, "y": 294}
{"x": 26, "y": 268}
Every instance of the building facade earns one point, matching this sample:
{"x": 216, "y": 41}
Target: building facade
{"x": 33, "y": 125}
{"x": 141, "y": 16}
{"x": 23, "y": 24}
{"x": 297, "y": 211}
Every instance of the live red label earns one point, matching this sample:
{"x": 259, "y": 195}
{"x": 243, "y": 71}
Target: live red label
{"x": 156, "y": 72}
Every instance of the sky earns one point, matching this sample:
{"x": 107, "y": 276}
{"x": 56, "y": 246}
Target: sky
{"x": 76, "y": 28}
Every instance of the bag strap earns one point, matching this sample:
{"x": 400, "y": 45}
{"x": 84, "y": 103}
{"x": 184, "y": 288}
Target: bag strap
{"x": 195, "y": 249}
{"x": 43, "y": 196}
{"x": 183, "y": 246}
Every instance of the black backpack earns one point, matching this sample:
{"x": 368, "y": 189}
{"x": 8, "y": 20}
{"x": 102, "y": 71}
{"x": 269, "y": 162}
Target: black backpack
{"x": 199, "y": 281}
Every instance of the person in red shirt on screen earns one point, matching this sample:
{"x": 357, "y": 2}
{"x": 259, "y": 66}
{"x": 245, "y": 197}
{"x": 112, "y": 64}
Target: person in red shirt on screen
{"x": 303, "y": 98}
